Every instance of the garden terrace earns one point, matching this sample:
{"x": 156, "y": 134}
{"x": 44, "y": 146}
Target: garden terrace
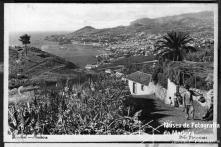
{"x": 37, "y": 64}
{"x": 192, "y": 73}
{"x": 100, "y": 111}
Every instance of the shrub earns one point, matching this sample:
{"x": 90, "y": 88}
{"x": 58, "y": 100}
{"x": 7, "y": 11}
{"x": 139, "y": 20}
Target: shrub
{"x": 203, "y": 55}
{"x": 97, "y": 108}
{"x": 15, "y": 83}
{"x": 180, "y": 73}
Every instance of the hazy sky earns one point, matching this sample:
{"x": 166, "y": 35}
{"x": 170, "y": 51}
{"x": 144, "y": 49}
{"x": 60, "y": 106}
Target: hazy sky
{"x": 69, "y": 17}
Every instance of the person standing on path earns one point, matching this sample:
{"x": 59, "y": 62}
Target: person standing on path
{"x": 188, "y": 102}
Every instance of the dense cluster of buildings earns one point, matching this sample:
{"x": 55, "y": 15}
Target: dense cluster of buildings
{"x": 142, "y": 44}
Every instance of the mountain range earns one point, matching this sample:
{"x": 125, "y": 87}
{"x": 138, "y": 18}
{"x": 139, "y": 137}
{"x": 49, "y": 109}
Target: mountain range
{"x": 202, "y": 22}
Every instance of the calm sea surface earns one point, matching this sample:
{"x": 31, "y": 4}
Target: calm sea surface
{"x": 78, "y": 54}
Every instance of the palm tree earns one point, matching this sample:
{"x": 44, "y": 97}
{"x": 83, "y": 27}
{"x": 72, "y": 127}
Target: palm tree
{"x": 174, "y": 46}
{"x": 25, "y": 39}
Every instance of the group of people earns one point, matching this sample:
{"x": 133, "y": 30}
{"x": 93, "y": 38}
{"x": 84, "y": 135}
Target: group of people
{"x": 187, "y": 102}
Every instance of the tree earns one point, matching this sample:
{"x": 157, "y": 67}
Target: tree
{"x": 25, "y": 39}
{"x": 174, "y": 46}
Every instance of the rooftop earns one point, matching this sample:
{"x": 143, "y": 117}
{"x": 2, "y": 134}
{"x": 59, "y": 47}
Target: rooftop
{"x": 140, "y": 77}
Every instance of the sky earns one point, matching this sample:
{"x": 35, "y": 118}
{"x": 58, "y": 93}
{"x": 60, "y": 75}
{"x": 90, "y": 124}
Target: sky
{"x": 22, "y": 17}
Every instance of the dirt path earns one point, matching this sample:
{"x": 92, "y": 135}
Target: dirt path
{"x": 156, "y": 111}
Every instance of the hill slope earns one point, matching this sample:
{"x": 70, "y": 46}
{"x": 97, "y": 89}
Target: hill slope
{"x": 37, "y": 65}
{"x": 191, "y": 22}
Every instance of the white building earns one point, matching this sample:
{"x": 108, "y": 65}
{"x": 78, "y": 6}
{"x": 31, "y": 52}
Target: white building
{"x": 90, "y": 66}
{"x": 140, "y": 84}
{"x": 171, "y": 90}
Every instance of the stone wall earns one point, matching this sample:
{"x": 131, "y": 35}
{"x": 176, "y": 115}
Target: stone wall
{"x": 160, "y": 92}
{"x": 164, "y": 94}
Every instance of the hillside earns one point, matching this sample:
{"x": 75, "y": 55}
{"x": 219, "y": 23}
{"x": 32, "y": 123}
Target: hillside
{"x": 84, "y": 30}
{"x": 185, "y": 22}
{"x": 37, "y": 65}
{"x": 193, "y": 23}
{"x": 189, "y": 18}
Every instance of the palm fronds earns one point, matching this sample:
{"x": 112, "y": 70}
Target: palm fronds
{"x": 174, "y": 46}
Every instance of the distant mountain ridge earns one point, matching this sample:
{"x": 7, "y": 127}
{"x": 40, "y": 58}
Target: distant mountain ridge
{"x": 185, "y": 20}
{"x": 200, "y": 16}
{"x": 86, "y": 29}
{"x": 189, "y": 22}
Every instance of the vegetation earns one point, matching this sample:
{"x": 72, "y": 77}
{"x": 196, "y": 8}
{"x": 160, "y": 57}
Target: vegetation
{"x": 25, "y": 39}
{"x": 38, "y": 65}
{"x": 95, "y": 107}
{"x": 16, "y": 82}
{"x": 132, "y": 63}
{"x": 202, "y": 55}
{"x": 174, "y": 46}
{"x": 181, "y": 73}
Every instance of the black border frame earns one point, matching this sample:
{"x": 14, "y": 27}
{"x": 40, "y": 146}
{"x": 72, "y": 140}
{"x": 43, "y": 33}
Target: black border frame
{"x": 107, "y": 1}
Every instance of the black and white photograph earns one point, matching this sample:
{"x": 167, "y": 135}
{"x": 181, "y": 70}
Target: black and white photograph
{"x": 110, "y": 72}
